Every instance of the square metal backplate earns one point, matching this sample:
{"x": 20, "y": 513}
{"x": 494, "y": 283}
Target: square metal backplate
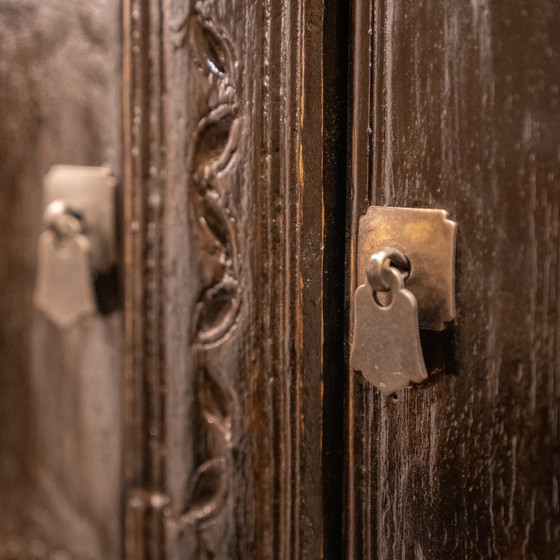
{"x": 427, "y": 238}
{"x": 90, "y": 191}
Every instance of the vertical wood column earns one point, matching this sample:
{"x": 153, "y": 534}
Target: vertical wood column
{"x": 224, "y": 232}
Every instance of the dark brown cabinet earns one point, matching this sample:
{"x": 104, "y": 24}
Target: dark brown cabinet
{"x": 459, "y": 112}
{"x": 213, "y": 414}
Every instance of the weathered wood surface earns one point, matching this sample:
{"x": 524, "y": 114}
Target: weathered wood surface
{"x": 457, "y": 106}
{"x": 224, "y": 233}
{"x": 59, "y": 392}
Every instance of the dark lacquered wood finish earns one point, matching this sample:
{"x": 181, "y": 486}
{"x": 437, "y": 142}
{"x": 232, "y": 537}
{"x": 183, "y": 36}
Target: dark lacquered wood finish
{"x": 233, "y": 364}
{"x": 225, "y": 210}
{"x": 456, "y": 106}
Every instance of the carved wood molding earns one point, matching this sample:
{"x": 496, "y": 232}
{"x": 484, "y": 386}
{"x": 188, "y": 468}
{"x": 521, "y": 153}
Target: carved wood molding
{"x": 214, "y": 146}
{"x": 212, "y": 151}
{"x": 220, "y": 142}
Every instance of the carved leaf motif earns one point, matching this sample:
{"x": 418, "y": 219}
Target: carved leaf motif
{"x": 209, "y": 491}
{"x": 213, "y": 50}
{"x": 215, "y": 312}
{"x": 215, "y": 143}
{"x": 217, "y": 306}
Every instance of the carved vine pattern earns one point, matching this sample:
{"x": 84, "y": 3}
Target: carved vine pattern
{"x": 214, "y": 147}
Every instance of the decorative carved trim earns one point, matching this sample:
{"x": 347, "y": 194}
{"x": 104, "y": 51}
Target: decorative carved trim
{"x": 214, "y": 144}
{"x": 211, "y": 155}
{"x": 216, "y": 431}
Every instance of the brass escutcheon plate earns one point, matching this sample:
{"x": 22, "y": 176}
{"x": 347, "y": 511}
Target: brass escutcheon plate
{"x": 91, "y": 192}
{"x": 427, "y": 238}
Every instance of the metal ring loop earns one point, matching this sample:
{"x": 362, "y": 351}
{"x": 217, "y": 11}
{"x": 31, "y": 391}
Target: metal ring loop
{"x": 380, "y": 273}
{"x": 62, "y": 220}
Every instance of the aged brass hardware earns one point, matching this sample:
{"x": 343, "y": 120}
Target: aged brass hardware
{"x": 386, "y": 346}
{"x": 78, "y": 242}
{"x": 427, "y": 238}
{"x": 398, "y": 246}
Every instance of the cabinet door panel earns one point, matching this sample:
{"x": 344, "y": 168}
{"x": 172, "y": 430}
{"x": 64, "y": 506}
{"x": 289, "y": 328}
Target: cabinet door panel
{"x": 59, "y": 390}
{"x": 456, "y": 107}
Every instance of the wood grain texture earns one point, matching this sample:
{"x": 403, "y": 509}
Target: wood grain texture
{"x": 59, "y": 392}
{"x": 224, "y": 253}
{"x": 456, "y": 107}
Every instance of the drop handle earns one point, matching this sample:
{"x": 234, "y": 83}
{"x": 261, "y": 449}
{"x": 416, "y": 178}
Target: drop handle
{"x": 78, "y": 245}
{"x": 406, "y": 277}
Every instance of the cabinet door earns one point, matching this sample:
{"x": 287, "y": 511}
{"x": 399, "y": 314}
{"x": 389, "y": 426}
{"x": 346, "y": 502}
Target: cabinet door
{"x": 456, "y": 106}
{"x": 60, "y": 427}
